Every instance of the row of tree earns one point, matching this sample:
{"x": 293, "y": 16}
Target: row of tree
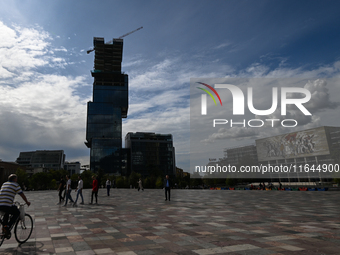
{"x": 51, "y": 179}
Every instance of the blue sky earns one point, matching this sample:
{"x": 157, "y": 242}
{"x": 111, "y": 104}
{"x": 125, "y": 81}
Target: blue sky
{"x": 45, "y": 79}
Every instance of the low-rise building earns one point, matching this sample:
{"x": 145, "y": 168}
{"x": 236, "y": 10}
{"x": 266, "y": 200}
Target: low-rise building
{"x": 7, "y": 168}
{"x": 72, "y": 168}
{"x": 42, "y": 159}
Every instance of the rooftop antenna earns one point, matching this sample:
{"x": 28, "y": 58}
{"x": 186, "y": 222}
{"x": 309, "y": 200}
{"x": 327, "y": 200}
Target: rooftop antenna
{"x": 89, "y": 51}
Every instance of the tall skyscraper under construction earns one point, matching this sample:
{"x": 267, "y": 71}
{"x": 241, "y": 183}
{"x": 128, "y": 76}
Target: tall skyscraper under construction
{"x": 109, "y": 105}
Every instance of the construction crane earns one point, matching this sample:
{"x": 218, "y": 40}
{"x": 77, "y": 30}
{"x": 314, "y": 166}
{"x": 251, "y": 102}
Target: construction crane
{"x": 89, "y": 51}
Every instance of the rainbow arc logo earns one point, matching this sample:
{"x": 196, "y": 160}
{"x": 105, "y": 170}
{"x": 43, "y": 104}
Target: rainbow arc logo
{"x": 208, "y": 92}
{"x": 204, "y": 97}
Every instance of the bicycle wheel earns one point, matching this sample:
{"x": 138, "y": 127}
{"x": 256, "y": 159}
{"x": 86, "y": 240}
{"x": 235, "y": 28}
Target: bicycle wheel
{"x": 2, "y": 239}
{"x": 23, "y": 229}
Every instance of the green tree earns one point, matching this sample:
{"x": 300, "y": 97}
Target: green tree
{"x": 120, "y": 182}
{"x": 134, "y": 178}
{"x": 231, "y": 182}
{"x": 74, "y": 177}
{"x": 54, "y": 184}
{"x": 100, "y": 176}
{"x": 186, "y": 181}
{"x": 40, "y": 181}
{"x": 196, "y": 179}
{"x": 146, "y": 183}
{"x": 87, "y": 178}
{"x": 22, "y": 178}
{"x": 57, "y": 174}
{"x": 104, "y": 178}
{"x": 159, "y": 182}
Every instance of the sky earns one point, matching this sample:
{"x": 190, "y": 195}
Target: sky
{"x": 45, "y": 79}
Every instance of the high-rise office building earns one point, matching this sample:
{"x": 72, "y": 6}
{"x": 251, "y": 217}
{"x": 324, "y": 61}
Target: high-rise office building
{"x": 109, "y": 105}
{"x": 151, "y": 153}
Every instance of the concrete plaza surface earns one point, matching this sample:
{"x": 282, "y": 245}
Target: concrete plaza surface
{"x": 193, "y": 222}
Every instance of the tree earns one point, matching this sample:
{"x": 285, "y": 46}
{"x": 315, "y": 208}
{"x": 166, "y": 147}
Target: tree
{"x": 196, "y": 179}
{"x": 22, "y": 178}
{"x": 104, "y": 178}
{"x": 57, "y": 174}
{"x": 231, "y": 182}
{"x": 120, "y": 182}
{"x": 159, "y": 182}
{"x": 53, "y": 184}
{"x": 87, "y": 178}
{"x": 74, "y": 177}
{"x": 134, "y": 178}
{"x": 146, "y": 183}
{"x": 100, "y": 175}
{"x": 40, "y": 181}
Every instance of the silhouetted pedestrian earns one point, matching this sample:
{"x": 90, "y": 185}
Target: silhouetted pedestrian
{"x": 61, "y": 189}
{"x": 140, "y": 186}
{"x": 80, "y": 191}
{"x": 94, "y": 189}
{"x": 68, "y": 190}
{"x": 108, "y": 186}
{"x": 167, "y": 187}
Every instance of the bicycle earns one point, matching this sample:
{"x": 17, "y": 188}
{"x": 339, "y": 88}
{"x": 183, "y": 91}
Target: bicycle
{"x": 22, "y": 227}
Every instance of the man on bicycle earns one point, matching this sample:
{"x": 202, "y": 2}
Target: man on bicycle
{"x": 7, "y": 193}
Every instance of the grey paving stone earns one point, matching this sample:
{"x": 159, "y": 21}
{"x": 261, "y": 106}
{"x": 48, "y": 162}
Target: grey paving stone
{"x": 194, "y": 222}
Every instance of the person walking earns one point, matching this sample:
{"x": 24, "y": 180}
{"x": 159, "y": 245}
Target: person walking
{"x": 108, "y": 186}
{"x": 7, "y": 193}
{"x": 94, "y": 189}
{"x": 79, "y": 191}
{"x": 68, "y": 191}
{"x": 61, "y": 189}
{"x": 140, "y": 186}
{"x": 167, "y": 187}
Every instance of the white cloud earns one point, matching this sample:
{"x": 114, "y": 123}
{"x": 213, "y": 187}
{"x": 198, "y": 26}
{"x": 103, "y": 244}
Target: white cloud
{"x": 21, "y": 49}
{"x": 231, "y": 133}
{"x": 37, "y": 110}
{"x": 320, "y": 96}
{"x": 172, "y": 73}
{"x": 45, "y": 111}
{"x": 222, "y": 45}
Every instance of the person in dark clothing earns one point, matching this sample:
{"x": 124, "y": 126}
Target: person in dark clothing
{"x": 167, "y": 187}
{"x": 94, "y": 189}
{"x": 61, "y": 189}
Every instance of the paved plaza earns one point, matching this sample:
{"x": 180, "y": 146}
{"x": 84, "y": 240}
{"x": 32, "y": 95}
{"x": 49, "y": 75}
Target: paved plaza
{"x": 193, "y": 222}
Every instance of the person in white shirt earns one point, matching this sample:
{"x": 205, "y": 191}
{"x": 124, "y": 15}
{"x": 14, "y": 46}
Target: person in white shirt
{"x": 7, "y": 193}
{"x": 68, "y": 190}
{"x": 140, "y": 186}
{"x": 108, "y": 186}
{"x": 79, "y": 191}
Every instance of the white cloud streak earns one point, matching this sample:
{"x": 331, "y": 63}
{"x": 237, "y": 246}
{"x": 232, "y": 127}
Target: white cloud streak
{"x": 37, "y": 110}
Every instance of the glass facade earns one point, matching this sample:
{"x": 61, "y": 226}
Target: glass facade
{"x": 150, "y": 153}
{"x": 109, "y": 105}
{"x": 42, "y": 159}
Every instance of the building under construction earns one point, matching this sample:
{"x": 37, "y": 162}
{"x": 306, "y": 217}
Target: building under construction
{"x": 109, "y": 105}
